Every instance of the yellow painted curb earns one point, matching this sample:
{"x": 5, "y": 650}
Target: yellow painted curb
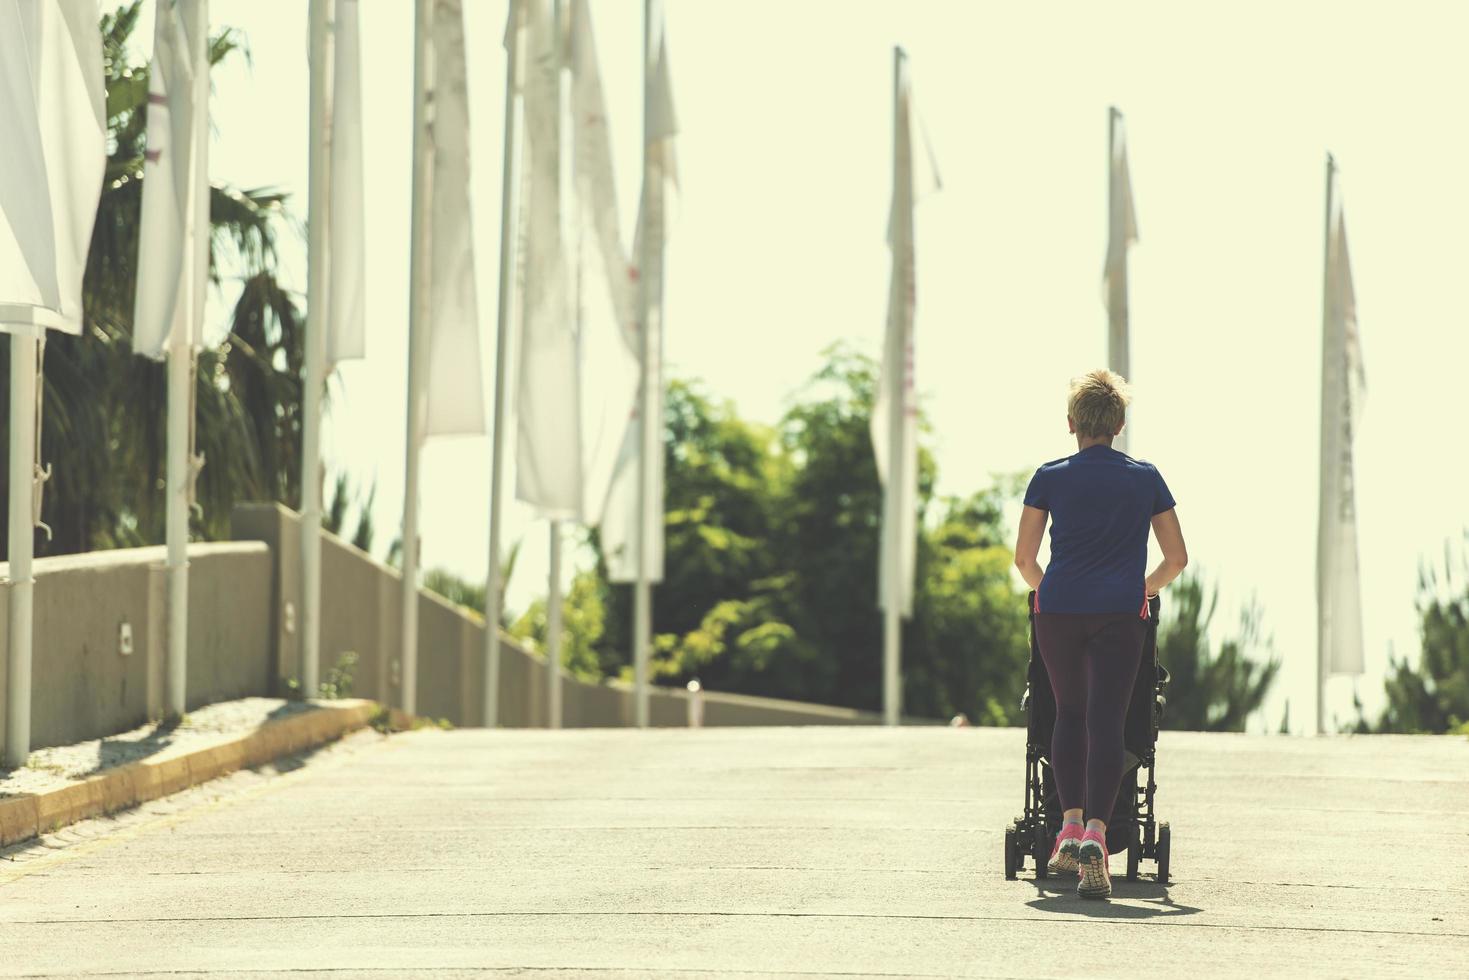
{"x": 19, "y": 819}
{"x": 24, "y": 817}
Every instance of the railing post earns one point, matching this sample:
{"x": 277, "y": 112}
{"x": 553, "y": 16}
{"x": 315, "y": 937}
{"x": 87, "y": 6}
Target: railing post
{"x": 696, "y": 704}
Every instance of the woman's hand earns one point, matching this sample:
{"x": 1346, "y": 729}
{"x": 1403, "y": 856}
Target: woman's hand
{"x": 1028, "y": 545}
{"x": 1175, "y": 553}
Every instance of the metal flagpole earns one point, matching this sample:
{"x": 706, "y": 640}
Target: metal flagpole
{"x": 647, "y": 425}
{"x": 642, "y": 590}
{"x": 892, "y": 698}
{"x": 23, "y": 347}
{"x": 417, "y": 361}
{"x": 1117, "y": 347}
{"x": 564, "y": 177}
{"x": 1329, "y": 403}
{"x": 316, "y": 326}
{"x": 176, "y": 495}
{"x": 1118, "y": 326}
{"x": 493, "y": 586}
{"x": 182, "y": 356}
{"x": 553, "y": 633}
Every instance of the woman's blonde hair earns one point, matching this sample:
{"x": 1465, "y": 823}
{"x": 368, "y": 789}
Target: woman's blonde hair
{"x": 1098, "y": 403}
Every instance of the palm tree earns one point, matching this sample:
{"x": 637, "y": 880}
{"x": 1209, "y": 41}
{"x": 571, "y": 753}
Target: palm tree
{"x": 104, "y": 408}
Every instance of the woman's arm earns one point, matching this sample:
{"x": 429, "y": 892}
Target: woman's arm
{"x": 1028, "y": 545}
{"x": 1175, "y": 554}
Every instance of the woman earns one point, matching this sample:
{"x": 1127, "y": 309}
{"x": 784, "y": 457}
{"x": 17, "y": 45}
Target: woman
{"x": 1091, "y": 608}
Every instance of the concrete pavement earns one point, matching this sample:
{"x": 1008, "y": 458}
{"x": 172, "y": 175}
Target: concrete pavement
{"x": 754, "y": 852}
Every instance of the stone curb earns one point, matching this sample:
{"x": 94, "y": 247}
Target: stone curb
{"x": 28, "y": 816}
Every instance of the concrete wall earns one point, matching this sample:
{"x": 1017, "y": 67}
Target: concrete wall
{"x": 244, "y": 639}
{"x": 86, "y": 683}
{"x": 360, "y": 613}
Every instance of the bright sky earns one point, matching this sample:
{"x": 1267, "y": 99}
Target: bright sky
{"x": 785, "y": 159}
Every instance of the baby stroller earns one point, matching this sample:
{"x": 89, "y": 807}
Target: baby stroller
{"x": 1133, "y": 827}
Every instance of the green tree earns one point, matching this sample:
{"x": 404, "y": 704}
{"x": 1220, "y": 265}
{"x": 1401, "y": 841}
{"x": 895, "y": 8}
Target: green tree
{"x": 458, "y": 590}
{"x": 970, "y": 629}
{"x": 722, "y": 480}
{"x": 334, "y": 514}
{"x": 461, "y": 591}
{"x": 104, "y": 408}
{"x": 830, "y": 525}
{"x": 772, "y": 544}
{"x": 362, "y": 538}
{"x": 582, "y": 620}
{"x": 1433, "y": 697}
{"x": 1210, "y": 691}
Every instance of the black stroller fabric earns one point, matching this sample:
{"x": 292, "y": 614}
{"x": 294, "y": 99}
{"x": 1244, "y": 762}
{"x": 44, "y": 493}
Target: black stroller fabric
{"x": 1140, "y": 732}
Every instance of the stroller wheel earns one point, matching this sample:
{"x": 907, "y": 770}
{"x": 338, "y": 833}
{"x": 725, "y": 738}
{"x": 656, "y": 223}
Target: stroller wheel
{"x": 1134, "y": 852}
{"x": 1012, "y": 853}
{"x": 1165, "y": 840}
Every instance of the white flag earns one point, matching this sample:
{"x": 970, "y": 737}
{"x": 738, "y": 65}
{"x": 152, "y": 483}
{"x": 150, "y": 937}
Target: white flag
{"x": 173, "y": 249}
{"x": 1121, "y": 234}
{"x": 604, "y": 298}
{"x": 52, "y": 153}
{"x": 548, "y": 471}
{"x": 456, "y": 400}
{"x": 1343, "y": 387}
{"x": 620, "y": 516}
{"x": 895, "y": 408}
{"x": 346, "y": 234}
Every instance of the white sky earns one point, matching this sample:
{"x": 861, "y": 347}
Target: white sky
{"x": 785, "y": 158}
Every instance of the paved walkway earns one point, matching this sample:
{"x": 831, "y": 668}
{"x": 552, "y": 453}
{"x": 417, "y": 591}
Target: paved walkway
{"x": 753, "y": 852}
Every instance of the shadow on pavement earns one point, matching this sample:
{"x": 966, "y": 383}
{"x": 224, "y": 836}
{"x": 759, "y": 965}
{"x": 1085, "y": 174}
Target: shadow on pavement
{"x": 49, "y": 842}
{"x": 119, "y": 752}
{"x": 1060, "y": 896}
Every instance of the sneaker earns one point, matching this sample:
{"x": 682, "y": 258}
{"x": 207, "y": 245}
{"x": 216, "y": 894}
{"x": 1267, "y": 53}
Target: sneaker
{"x": 1091, "y": 860}
{"x": 1063, "y": 855}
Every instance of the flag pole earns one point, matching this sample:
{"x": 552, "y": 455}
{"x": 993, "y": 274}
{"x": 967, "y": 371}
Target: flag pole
{"x": 891, "y": 622}
{"x": 493, "y": 586}
{"x": 642, "y": 590}
{"x": 417, "y": 296}
{"x": 564, "y": 161}
{"x": 316, "y": 324}
{"x": 1323, "y": 626}
{"x": 1118, "y": 326}
{"x": 553, "y": 632}
{"x": 182, "y": 358}
{"x": 23, "y": 347}
{"x": 176, "y": 496}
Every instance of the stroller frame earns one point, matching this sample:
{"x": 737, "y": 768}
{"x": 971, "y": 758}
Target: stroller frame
{"x": 1134, "y": 826}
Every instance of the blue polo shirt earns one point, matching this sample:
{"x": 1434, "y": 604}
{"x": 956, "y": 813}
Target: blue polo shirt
{"x": 1101, "y": 503}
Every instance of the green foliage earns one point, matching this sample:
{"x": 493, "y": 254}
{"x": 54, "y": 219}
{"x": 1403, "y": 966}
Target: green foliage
{"x": 103, "y": 408}
{"x": 334, "y": 513}
{"x": 1213, "y": 692}
{"x": 457, "y": 590}
{"x": 771, "y": 547}
{"x": 970, "y": 629}
{"x": 1433, "y": 696}
{"x": 582, "y": 624}
{"x": 362, "y": 538}
{"x": 722, "y": 483}
{"x": 461, "y": 591}
{"x": 338, "y": 682}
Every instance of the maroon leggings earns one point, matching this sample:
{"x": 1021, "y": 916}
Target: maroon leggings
{"x": 1092, "y": 659}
